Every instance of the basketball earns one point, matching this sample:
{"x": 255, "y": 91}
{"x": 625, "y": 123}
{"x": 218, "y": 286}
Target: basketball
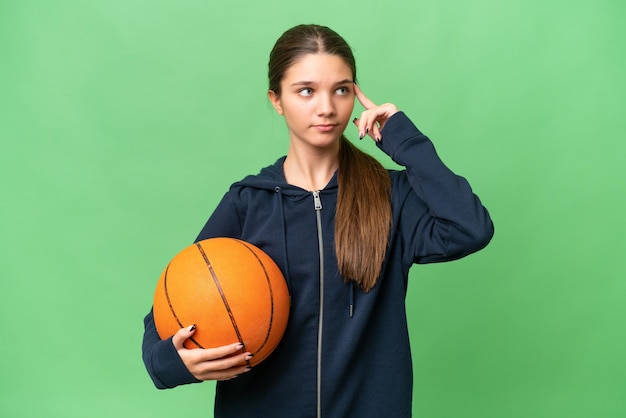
{"x": 231, "y": 290}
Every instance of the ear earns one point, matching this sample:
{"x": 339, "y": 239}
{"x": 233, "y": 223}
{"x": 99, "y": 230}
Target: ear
{"x": 275, "y": 99}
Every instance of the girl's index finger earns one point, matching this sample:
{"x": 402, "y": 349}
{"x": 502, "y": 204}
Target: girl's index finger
{"x": 367, "y": 103}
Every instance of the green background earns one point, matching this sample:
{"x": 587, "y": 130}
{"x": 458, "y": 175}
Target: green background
{"x": 122, "y": 123}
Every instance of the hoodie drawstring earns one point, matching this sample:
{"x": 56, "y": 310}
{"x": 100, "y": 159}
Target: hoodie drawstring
{"x": 279, "y": 196}
{"x": 351, "y": 298}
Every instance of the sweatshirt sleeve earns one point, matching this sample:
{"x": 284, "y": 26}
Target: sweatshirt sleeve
{"x": 161, "y": 359}
{"x": 440, "y": 217}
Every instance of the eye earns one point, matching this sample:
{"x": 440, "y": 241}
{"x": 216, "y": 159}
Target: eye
{"x": 305, "y": 92}
{"x": 342, "y": 91}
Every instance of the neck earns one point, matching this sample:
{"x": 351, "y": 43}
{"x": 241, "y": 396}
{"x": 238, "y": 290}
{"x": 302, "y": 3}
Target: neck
{"x": 311, "y": 169}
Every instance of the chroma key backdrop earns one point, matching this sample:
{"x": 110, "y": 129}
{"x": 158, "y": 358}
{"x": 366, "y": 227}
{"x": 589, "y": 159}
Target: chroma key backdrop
{"x": 122, "y": 124}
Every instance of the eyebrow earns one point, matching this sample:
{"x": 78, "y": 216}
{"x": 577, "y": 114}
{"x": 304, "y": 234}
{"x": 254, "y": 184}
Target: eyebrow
{"x": 308, "y": 83}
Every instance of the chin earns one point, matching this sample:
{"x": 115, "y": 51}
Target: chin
{"x": 325, "y": 141}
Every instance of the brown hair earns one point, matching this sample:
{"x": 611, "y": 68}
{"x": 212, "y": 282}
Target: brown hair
{"x": 363, "y": 214}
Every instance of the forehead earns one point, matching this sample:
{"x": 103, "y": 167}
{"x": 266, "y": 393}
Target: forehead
{"x": 318, "y": 68}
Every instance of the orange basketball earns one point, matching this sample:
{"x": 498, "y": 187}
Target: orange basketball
{"x": 231, "y": 290}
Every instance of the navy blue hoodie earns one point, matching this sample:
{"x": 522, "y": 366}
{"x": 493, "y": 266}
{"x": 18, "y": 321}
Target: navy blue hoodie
{"x": 345, "y": 353}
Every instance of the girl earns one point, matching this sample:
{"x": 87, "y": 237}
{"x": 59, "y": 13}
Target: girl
{"x": 345, "y": 232}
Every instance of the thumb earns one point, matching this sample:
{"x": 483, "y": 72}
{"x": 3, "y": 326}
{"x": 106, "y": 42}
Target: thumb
{"x": 182, "y": 335}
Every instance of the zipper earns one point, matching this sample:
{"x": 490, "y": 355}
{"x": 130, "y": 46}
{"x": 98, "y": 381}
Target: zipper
{"x": 318, "y": 210}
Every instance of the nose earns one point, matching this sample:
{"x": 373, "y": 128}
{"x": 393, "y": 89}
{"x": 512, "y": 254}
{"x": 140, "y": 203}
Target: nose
{"x": 325, "y": 105}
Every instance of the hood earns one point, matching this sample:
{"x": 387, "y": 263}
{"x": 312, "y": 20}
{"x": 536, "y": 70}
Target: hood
{"x": 273, "y": 178}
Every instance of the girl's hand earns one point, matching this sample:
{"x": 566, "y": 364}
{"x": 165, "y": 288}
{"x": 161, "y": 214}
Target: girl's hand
{"x": 220, "y": 363}
{"x": 374, "y": 117}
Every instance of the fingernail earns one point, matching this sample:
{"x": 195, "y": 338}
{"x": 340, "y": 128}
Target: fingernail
{"x": 361, "y": 135}
{"x": 247, "y": 369}
{"x": 367, "y": 130}
{"x": 239, "y": 346}
{"x": 354, "y": 120}
{"x": 249, "y": 356}
{"x": 192, "y": 328}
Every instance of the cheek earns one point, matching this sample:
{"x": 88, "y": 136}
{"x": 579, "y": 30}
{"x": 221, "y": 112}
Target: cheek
{"x": 295, "y": 107}
{"x": 347, "y": 107}
{"x": 295, "y": 114}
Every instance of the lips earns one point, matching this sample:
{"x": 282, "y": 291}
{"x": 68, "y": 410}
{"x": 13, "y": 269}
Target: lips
{"x": 325, "y": 127}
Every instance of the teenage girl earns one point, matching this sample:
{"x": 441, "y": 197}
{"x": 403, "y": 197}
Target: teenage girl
{"x": 344, "y": 232}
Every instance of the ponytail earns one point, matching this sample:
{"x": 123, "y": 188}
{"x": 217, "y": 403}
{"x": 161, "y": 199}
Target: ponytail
{"x": 363, "y": 216}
